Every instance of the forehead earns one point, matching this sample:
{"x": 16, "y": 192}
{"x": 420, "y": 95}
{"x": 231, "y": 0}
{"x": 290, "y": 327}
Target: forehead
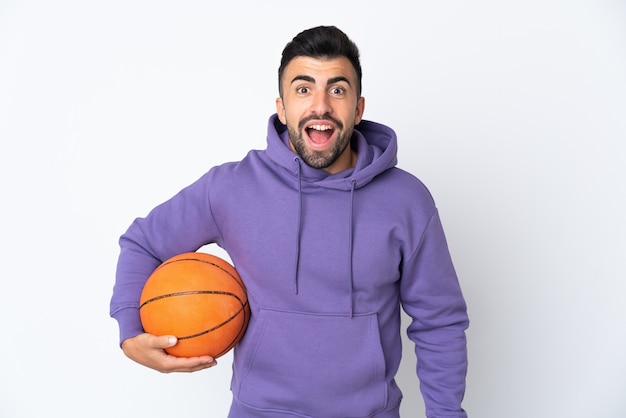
{"x": 320, "y": 69}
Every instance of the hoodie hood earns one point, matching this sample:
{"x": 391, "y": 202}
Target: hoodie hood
{"x": 376, "y": 147}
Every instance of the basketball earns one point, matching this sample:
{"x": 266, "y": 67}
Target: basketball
{"x": 201, "y": 300}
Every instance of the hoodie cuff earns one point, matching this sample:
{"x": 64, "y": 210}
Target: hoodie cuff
{"x": 129, "y": 322}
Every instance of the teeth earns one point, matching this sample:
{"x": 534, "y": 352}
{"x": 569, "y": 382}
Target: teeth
{"x": 320, "y": 127}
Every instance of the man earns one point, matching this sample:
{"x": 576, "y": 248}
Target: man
{"x": 331, "y": 240}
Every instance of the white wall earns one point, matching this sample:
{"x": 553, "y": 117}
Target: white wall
{"x": 513, "y": 113}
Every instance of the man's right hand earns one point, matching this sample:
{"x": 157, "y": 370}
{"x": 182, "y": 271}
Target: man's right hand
{"x": 149, "y": 350}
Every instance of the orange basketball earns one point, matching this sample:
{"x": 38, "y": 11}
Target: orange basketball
{"x": 201, "y": 300}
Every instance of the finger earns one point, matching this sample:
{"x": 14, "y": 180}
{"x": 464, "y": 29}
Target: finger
{"x": 163, "y": 341}
{"x": 192, "y": 364}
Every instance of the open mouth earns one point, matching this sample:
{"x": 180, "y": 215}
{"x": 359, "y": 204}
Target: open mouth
{"x": 320, "y": 134}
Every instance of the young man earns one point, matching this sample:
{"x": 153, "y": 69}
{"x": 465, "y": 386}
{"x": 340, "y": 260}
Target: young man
{"x": 331, "y": 239}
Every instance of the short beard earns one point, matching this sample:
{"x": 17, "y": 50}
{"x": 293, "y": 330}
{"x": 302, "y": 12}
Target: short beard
{"x": 319, "y": 159}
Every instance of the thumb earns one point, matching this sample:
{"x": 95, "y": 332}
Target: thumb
{"x": 167, "y": 341}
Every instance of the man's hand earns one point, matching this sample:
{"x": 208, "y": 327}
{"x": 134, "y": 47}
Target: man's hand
{"x": 149, "y": 350}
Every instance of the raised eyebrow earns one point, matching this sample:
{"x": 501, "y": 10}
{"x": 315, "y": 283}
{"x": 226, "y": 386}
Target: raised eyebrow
{"x": 337, "y": 80}
{"x": 303, "y": 77}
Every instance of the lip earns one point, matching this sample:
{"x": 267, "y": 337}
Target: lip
{"x": 321, "y": 122}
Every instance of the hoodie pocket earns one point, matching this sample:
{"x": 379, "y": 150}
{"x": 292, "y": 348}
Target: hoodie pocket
{"x": 314, "y": 365}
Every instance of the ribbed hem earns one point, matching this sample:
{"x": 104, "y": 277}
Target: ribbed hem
{"x": 129, "y": 322}
{"x": 237, "y": 410}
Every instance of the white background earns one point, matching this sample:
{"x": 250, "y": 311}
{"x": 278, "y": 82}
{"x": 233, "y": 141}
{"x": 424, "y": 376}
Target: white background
{"x": 513, "y": 113}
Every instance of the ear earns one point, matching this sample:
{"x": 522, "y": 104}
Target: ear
{"x": 360, "y": 108}
{"x": 280, "y": 110}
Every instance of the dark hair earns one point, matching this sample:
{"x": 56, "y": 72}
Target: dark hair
{"x": 321, "y": 42}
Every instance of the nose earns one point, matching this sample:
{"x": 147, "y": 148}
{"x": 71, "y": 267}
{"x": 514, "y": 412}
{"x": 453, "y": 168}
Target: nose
{"x": 320, "y": 104}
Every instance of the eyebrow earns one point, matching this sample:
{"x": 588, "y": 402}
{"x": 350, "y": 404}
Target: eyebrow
{"x": 310, "y": 79}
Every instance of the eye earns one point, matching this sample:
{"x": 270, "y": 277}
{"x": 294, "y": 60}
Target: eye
{"x": 302, "y": 90}
{"x": 337, "y": 91}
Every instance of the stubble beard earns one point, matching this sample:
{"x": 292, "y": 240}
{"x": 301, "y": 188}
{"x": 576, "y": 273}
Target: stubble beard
{"x": 319, "y": 159}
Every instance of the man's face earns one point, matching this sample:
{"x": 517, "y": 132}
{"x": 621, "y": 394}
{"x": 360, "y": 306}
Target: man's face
{"x": 320, "y": 107}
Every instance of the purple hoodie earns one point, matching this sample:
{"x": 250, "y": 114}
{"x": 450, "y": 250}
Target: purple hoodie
{"x": 328, "y": 261}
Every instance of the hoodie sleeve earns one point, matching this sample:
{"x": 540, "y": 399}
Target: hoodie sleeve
{"x": 182, "y": 224}
{"x": 431, "y": 295}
